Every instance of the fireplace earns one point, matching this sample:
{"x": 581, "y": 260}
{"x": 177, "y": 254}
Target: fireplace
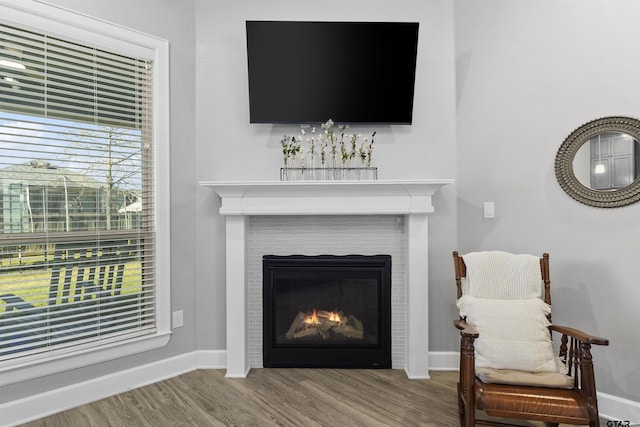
{"x": 412, "y": 199}
{"x": 327, "y": 311}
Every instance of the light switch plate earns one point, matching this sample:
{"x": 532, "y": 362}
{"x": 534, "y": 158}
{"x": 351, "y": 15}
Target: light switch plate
{"x": 178, "y": 319}
{"x": 489, "y": 210}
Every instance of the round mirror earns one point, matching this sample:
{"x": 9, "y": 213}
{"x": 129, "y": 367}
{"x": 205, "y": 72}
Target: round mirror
{"x": 599, "y": 163}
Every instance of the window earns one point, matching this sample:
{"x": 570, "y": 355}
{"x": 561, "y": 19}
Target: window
{"x": 83, "y": 248}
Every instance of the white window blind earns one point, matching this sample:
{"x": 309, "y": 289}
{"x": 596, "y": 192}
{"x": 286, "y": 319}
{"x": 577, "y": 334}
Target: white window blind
{"x": 76, "y": 197}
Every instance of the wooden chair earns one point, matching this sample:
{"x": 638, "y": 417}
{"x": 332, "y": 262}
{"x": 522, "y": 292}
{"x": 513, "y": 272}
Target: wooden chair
{"x": 96, "y": 271}
{"x": 574, "y": 405}
{"x": 85, "y": 291}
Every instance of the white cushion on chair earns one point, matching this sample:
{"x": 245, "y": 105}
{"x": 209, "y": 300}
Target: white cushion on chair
{"x": 514, "y": 334}
{"x": 533, "y": 379}
{"x": 502, "y": 275}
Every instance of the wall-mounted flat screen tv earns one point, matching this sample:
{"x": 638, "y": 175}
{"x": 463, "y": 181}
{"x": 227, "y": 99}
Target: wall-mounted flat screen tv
{"x": 350, "y": 72}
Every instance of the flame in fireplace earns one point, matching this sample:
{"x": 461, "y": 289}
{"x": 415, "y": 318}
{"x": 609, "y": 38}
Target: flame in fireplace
{"x": 325, "y": 324}
{"x": 318, "y": 317}
{"x": 313, "y": 319}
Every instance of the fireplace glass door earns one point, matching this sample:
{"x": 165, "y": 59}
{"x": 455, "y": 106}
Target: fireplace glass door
{"x": 327, "y": 311}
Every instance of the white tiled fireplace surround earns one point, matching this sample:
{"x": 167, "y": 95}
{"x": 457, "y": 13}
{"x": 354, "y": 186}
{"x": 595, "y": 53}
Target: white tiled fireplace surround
{"x": 327, "y": 217}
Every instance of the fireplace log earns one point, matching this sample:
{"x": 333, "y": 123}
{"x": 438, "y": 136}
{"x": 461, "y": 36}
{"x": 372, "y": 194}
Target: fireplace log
{"x": 311, "y": 330}
{"x": 357, "y": 324}
{"x": 348, "y": 327}
{"x": 326, "y": 325}
{"x": 296, "y": 323}
{"x": 349, "y": 331}
{"x": 352, "y": 329}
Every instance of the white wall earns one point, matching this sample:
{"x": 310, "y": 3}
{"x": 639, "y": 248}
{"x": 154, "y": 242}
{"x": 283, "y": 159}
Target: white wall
{"x": 528, "y": 74}
{"x": 229, "y": 148}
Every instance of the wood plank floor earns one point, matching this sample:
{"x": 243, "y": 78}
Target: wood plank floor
{"x": 276, "y": 397}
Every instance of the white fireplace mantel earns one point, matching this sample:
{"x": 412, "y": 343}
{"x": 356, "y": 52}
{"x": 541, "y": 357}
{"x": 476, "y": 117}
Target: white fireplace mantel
{"x": 411, "y": 198}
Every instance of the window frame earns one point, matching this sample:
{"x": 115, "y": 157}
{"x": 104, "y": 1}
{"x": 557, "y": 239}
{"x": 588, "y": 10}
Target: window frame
{"x": 63, "y": 23}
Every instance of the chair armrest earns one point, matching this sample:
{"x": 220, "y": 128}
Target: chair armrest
{"x": 466, "y": 330}
{"x": 466, "y": 386}
{"x": 575, "y": 352}
{"x": 579, "y": 335}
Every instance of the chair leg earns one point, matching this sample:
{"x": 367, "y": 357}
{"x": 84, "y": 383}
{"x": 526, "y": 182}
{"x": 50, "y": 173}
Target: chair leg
{"x": 467, "y": 414}
{"x": 460, "y": 406}
{"x": 470, "y": 418}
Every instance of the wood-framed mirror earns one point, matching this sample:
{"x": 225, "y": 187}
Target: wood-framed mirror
{"x": 598, "y": 164}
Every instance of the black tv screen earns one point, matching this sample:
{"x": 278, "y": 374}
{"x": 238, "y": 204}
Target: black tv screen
{"x": 350, "y": 72}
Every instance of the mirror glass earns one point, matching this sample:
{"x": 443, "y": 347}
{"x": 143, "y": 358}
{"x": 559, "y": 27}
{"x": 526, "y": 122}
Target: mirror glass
{"x": 598, "y": 164}
{"x": 608, "y": 161}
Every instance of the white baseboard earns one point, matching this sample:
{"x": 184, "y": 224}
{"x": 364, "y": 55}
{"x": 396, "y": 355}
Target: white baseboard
{"x": 48, "y": 403}
{"x": 444, "y": 361}
{"x": 619, "y": 409}
{"x": 41, "y": 405}
{"x": 211, "y": 359}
